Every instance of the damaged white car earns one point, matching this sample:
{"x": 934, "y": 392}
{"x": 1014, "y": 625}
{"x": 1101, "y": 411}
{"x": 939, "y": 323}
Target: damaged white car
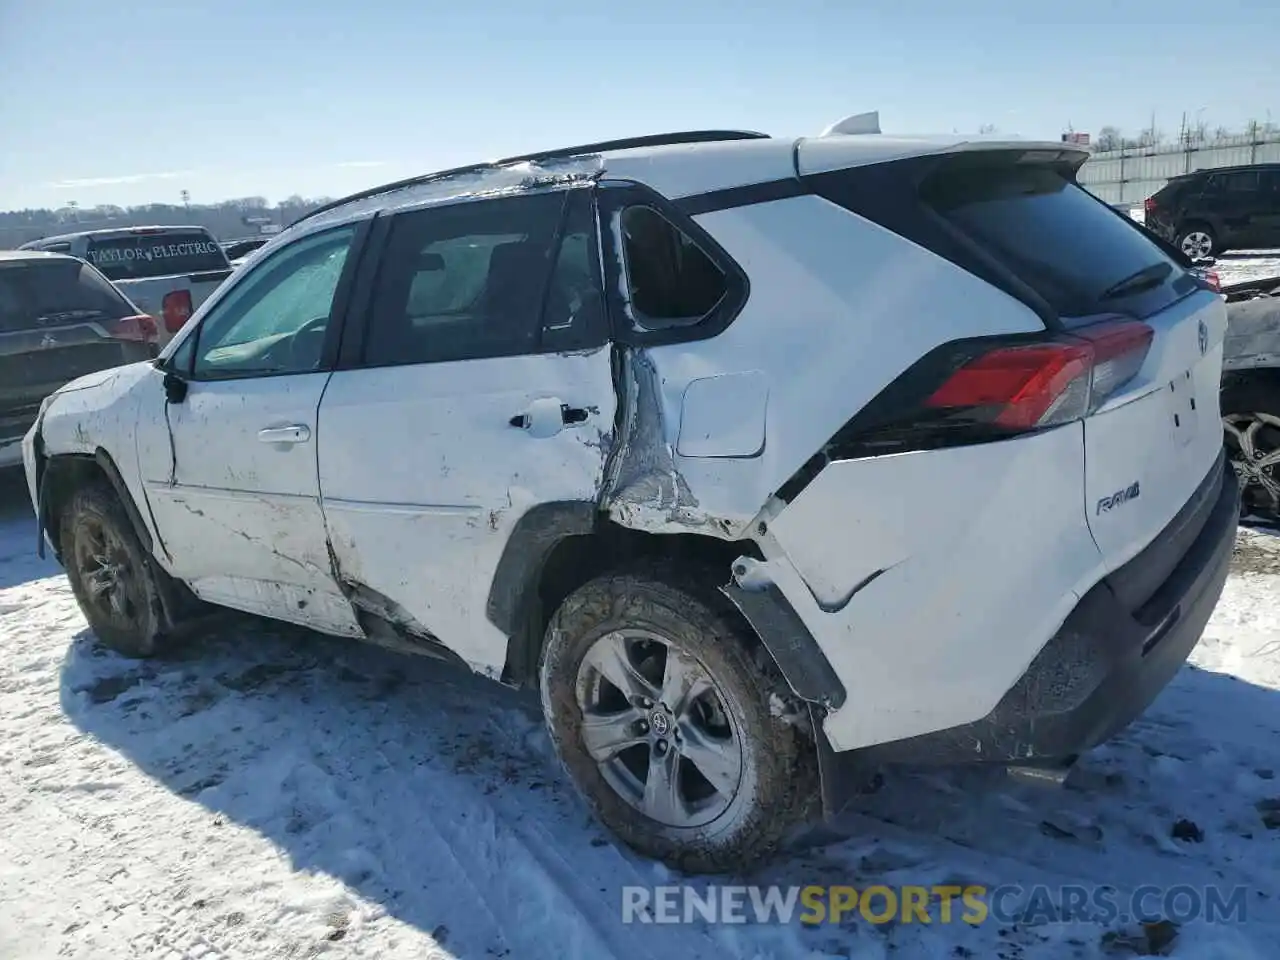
{"x": 761, "y": 458}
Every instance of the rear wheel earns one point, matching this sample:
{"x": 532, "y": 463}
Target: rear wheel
{"x": 1251, "y": 426}
{"x": 1198, "y": 241}
{"x": 110, "y": 572}
{"x": 662, "y": 716}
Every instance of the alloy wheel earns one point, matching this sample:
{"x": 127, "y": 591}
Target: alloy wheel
{"x": 106, "y": 570}
{"x": 654, "y": 721}
{"x": 1253, "y": 445}
{"x": 1197, "y": 244}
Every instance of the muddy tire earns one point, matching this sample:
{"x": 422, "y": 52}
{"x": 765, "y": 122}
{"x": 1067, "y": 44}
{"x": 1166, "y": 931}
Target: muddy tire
{"x": 110, "y": 572}
{"x": 664, "y": 712}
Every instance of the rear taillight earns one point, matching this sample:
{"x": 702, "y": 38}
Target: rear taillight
{"x": 1020, "y": 387}
{"x": 139, "y": 327}
{"x": 1044, "y": 384}
{"x": 1210, "y": 279}
{"x": 1149, "y": 206}
{"x": 176, "y": 309}
{"x": 981, "y": 390}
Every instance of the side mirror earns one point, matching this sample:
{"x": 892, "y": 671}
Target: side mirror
{"x": 175, "y": 388}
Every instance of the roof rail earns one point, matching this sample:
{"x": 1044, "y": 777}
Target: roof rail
{"x": 626, "y": 143}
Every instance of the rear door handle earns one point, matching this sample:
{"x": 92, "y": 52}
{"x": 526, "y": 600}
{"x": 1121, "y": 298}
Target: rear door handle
{"x": 294, "y": 433}
{"x": 547, "y": 416}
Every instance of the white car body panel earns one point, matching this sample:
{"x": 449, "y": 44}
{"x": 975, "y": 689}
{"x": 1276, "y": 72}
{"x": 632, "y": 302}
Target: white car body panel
{"x": 910, "y": 301}
{"x": 931, "y": 579}
{"x": 424, "y": 477}
{"x": 1173, "y": 405}
{"x": 241, "y": 516}
{"x": 823, "y": 154}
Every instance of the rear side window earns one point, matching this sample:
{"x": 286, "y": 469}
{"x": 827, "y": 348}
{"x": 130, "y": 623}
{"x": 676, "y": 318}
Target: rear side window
{"x": 1244, "y": 181}
{"x": 1061, "y": 242}
{"x": 46, "y": 293}
{"x": 137, "y": 256}
{"x": 471, "y": 280}
{"x": 672, "y": 281}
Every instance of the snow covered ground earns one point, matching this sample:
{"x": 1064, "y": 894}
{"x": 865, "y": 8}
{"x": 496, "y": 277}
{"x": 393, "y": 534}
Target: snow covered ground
{"x": 1247, "y": 265}
{"x": 270, "y": 793}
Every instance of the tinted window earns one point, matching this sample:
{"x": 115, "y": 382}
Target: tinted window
{"x": 1065, "y": 245}
{"x": 671, "y": 281}
{"x": 574, "y": 313}
{"x": 274, "y": 320}
{"x": 35, "y": 293}
{"x": 161, "y": 254}
{"x": 1245, "y": 181}
{"x": 463, "y": 281}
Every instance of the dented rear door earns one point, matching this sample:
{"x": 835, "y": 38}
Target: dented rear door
{"x": 475, "y": 413}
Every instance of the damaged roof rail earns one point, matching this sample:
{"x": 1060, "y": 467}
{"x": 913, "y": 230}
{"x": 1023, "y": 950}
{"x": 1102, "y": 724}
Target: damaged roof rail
{"x": 626, "y": 143}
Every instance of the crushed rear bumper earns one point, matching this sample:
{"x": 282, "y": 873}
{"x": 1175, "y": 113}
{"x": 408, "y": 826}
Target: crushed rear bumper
{"x": 1117, "y": 650}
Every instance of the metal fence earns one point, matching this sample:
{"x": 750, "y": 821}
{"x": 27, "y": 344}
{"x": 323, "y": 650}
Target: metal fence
{"x": 1135, "y": 173}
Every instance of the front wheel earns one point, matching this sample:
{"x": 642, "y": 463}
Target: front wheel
{"x": 110, "y": 572}
{"x": 662, "y": 717}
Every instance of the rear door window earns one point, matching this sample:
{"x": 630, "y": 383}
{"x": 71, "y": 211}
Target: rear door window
{"x": 466, "y": 281}
{"x": 55, "y": 292}
{"x": 137, "y": 256}
{"x": 1065, "y": 245}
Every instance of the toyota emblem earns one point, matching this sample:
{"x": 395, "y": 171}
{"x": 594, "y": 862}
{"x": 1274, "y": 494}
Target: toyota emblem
{"x": 1204, "y": 338}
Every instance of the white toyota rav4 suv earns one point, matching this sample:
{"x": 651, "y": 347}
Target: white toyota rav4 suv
{"x": 761, "y": 458}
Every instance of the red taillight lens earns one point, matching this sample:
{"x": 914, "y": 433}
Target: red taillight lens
{"x": 1039, "y": 385}
{"x": 1149, "y": 205}
{"x": 1021, "y": 387}
{"x": 140, "y": 327}
{"x": 176, "y": 309}
{"x": 1211, "y": 280}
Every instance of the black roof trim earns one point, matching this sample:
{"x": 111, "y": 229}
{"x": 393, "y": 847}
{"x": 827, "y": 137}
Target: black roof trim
{"x": 627, "y": 143}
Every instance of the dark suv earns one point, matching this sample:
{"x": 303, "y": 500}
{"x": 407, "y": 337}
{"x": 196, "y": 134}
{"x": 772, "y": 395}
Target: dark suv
{"x": 1209, "y": 211}
{"x": 59, "y": 319}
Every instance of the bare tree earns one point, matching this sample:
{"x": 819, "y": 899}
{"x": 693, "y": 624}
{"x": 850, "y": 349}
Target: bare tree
{"x": 1109, "y": 138}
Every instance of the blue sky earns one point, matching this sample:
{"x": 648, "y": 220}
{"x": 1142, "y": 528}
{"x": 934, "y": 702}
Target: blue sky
{"x": 130, "y": 102}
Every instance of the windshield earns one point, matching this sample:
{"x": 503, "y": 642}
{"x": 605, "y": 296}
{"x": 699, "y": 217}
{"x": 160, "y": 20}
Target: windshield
{"x": 42, "y": 293}
{"x": 141, "y": 255}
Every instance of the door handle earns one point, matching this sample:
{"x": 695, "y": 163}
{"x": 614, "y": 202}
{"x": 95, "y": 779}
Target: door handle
{"x": 548, "y": 416}
{"x": 294, "y": 433}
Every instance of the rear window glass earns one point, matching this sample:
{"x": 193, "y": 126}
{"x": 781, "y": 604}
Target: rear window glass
{"x": 46, "y": 293}
{"x": 142, "y": 255}
{"x": 1068, "y": 247}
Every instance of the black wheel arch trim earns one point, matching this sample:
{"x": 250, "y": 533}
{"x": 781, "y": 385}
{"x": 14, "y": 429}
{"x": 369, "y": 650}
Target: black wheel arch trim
{"x": 513, "y": 592}
{"x": 803, "y": 664}
{"x": 104, "y": 462}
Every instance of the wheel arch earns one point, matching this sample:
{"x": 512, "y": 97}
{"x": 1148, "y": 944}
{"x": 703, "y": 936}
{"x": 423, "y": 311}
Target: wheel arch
{"x": 555, "y": 548}
{"x": 59, "y": 475}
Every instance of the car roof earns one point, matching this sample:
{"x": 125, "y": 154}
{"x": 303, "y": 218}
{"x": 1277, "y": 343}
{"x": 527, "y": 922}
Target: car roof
{"x": 677, "y": 165}
{"x": 34, "y": 255}
{"x": 1238, "y": 168}
{"x": 117, "y": 232}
